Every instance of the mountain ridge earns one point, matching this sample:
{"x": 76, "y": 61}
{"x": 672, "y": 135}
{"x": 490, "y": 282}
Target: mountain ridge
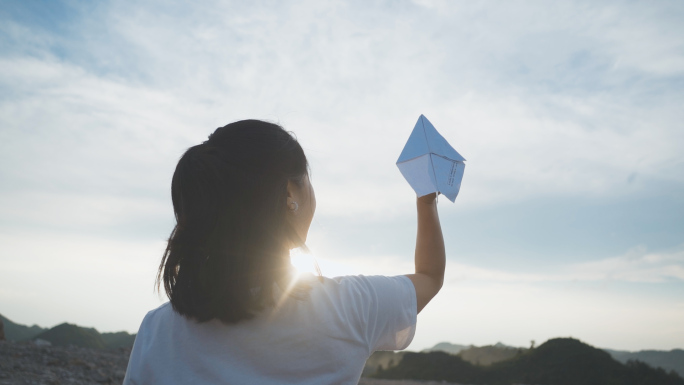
{"x": 560, "y": 361}
{"x": 666, "y": 359}
{"x": 491, "y": 354}
{"x": 66, "y": 334}
{"x": 19, "y": 332}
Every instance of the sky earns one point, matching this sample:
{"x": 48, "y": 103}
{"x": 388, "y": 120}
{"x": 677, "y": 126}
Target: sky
{"x": 570, "y": 219}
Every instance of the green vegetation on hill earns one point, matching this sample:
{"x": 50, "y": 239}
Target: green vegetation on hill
{"x": 448, "y": 348}
{"x": 118, "y": 340}
{"x": 490, "y": 354}
{"x": 672, "y": 360}
{"x": 560, "y": 361}
{"x": 17, "y": 332}
{"x": 487, "y": 355}
{"x": 381, "y": 360}
{"x": 68, "y": 334}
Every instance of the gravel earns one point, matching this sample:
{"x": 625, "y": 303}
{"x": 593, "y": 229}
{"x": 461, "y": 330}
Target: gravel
{"x": 37, "y": 364}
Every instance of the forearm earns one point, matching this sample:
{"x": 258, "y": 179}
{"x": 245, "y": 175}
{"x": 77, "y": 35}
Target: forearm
{"x": 430, "y": 258}
{"x": 430, "y": 255}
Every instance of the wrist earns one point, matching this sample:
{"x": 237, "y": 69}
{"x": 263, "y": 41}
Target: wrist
{"x": 429, "y": 199}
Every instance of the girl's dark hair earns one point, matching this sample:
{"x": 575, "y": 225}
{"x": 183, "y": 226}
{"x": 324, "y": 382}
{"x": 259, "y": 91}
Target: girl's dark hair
{"x": 229, "y": 245}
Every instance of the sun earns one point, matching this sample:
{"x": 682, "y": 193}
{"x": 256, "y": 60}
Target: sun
{"x": 303, "y": 262}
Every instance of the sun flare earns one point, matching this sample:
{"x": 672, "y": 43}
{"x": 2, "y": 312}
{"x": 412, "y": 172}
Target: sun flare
{"x": 304, "y": 263}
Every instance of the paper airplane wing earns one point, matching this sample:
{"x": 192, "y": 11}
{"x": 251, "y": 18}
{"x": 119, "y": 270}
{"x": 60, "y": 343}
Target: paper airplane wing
{"x": 429, "y": 164}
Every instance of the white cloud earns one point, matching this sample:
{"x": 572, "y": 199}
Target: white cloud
{"x": 573, "y": 99}
{"x": 638, "y": 265}
{"x": 484, "y": 313}
{"x": 351, "y": 89}
{"x": 639, "y": 43}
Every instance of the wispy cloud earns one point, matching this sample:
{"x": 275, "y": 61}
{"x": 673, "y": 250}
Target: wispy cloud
{"x": 573, "y": 101}
{"x": 148, "y": 88}
{"x": 637, "y": 265}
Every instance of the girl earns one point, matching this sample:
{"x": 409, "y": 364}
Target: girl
{"x": 238, "y": 313}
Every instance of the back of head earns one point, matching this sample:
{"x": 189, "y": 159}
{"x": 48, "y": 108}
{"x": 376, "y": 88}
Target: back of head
{"x": 230, "y": 242}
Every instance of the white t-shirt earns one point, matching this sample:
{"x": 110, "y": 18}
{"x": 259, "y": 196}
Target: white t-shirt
{"x": 323, "y": 339}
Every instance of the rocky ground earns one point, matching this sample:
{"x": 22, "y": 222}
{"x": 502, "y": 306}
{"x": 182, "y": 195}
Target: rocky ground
{"x": 371, "y": 381}
{"x": 28, "y": 363}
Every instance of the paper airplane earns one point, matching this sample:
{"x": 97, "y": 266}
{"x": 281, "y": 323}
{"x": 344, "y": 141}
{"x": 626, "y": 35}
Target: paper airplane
{"x": 429, "y": 163}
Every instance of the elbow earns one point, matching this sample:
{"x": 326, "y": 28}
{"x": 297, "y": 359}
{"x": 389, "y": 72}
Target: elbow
{"x": 439, "y": 282}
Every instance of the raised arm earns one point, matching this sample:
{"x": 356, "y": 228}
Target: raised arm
{"x": 430, "y": 255}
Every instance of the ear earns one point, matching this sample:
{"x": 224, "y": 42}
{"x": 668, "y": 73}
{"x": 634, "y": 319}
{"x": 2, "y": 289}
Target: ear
{"x": 291, "y": 192}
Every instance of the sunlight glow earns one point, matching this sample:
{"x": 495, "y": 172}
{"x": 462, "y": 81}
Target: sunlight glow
{"x": 303, "y": 262}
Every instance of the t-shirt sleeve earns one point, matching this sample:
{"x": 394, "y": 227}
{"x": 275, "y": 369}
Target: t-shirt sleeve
{"x": 385, "y": 308}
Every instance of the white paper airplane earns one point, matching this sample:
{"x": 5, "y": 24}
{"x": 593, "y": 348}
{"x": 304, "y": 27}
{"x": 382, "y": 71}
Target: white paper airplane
{"x": 429, "y": 163}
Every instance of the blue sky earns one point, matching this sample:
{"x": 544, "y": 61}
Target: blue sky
{"x": 570, "y": 220}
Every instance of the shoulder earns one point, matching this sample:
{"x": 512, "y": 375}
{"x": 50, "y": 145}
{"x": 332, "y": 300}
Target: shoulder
{"x": 163, "y": 310}
{"x": 155, "y": 317}
{"x": 361, "y": 291}
{"x": 366, "y": 283}
{"x": 382, "y": 310}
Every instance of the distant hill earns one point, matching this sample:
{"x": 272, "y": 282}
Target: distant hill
{"x": 487, "y": 355}
{"x": 668, "y": 360}
{"x": 118, "y": 340}
{"x": 17, "y": 332}
{"x": 385, "y": 359}
{"x": 381, "y": 360}
{"x": 478, "y": 355}
{"x": 68, "y": 334}
{"x": 490, "y": 354}
{"x": 448, "y": 348}
{"x": 560, "y": 361}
